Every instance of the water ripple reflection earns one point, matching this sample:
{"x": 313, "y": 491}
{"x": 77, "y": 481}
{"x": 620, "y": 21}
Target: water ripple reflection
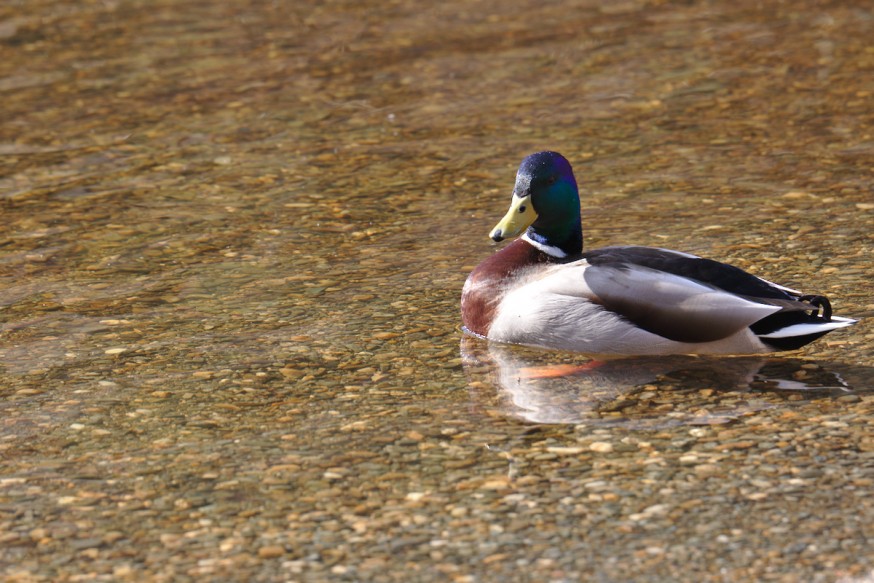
{"x": 653, "y": 392}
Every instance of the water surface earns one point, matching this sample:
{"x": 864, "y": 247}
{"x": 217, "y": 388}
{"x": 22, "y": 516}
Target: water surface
{"x": 233, "y": 242}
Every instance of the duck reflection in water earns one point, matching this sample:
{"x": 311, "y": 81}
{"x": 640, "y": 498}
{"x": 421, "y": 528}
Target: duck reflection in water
{"x": 540, "y": 386}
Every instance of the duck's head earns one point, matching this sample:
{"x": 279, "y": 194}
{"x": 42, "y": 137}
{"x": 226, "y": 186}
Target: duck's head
{"x": 545, "y": 206}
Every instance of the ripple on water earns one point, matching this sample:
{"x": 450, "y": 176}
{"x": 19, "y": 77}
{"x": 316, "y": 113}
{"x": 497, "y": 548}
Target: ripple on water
{"x": 233, "y": 240}
{"x": 644, "y": 392}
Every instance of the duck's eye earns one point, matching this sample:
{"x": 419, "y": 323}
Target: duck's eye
{"x": 522, "y": 209}
{"x": 551, "y": 180}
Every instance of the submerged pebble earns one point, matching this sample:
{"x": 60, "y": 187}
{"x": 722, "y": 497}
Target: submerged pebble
{"x": 229, "y": 291}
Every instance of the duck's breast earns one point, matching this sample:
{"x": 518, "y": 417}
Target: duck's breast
{"x": 491, "y": 280}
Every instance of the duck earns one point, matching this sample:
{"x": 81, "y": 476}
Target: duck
{"x": 542, "y": 289}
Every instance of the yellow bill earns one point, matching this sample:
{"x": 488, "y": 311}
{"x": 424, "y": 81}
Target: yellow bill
{"x": 518, "y": 218}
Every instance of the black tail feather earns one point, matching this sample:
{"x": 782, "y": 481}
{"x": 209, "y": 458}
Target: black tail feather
{"x": 820, "y": 311}
{"x": 793, "y": 342}
{"x": 819, "y": 302}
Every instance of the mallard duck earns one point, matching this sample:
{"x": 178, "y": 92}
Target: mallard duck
{"x": 544, "y": 290}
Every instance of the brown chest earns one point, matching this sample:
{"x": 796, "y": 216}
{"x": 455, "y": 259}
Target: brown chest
{"x": 490, "y": 281}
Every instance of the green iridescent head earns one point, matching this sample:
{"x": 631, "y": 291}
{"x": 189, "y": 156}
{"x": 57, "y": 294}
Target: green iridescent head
{"x": 545, "y": 205}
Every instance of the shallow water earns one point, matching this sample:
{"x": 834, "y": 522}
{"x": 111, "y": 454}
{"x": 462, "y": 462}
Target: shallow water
{"x": 233, "y": 243}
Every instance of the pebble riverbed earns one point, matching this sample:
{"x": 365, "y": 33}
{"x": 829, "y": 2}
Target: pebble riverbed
{"x": 233, "y": 241}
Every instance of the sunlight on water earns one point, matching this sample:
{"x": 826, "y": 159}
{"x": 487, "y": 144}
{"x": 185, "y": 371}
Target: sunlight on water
{"x": 234, "y": 238}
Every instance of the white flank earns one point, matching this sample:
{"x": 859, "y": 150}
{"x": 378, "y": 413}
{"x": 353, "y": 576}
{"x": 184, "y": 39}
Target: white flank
{"x": 554, "y": 308}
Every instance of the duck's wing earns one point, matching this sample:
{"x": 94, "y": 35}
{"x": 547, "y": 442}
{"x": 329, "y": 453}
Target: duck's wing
{"x": 726, "y": 277}
{"x": 682, "y": 297}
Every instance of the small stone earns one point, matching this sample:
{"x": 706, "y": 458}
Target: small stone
{"x": 85, "y": 543}
{"x": 122, "y": 571}
{"x": 495, "y": 484}
{"x": 737, "y": 445}
{"x": 291, "y": 373}
{"x": 271, "y": 552}
{"x": 707, "y": 469}
{"x": 565, "y": 450}
{"x": 601, "y": 446}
